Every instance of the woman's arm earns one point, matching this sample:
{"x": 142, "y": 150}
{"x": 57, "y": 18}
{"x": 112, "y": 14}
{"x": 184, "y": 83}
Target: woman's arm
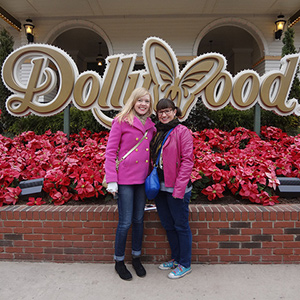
{"x": 112, "y": 150}
{"x": 186, "y": 150}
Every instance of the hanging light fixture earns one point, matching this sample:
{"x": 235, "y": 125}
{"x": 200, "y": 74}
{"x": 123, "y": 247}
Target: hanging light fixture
{"x": 280, "y": 22}
{"x": 29, "y": 30}
{"x": 100, "y": 59}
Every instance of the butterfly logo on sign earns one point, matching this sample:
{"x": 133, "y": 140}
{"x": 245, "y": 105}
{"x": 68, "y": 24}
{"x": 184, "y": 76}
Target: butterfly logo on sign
{"x": 183, "y": 87}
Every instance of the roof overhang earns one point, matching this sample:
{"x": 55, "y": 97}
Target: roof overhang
{"x": 7, "y": 17}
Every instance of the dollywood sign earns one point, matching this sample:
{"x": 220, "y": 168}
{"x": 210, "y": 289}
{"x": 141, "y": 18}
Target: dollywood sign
{"x": 205, "y": 77}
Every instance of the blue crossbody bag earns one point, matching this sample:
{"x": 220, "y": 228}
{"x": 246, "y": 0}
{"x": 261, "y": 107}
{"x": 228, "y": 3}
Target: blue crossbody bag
{"x": 152, "y": 184}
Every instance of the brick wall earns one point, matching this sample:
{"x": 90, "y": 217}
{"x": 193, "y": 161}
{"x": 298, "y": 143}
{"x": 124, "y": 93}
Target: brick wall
{"x": 221, "y": 234}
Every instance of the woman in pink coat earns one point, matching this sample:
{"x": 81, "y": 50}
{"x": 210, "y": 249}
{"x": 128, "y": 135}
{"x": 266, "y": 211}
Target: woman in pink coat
{"x": 174, "y": 171}
{"x": 126, "y": 181}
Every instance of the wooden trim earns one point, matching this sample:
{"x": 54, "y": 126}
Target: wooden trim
{"x": 10, "y": 19}
{"x": 267, "y": 58}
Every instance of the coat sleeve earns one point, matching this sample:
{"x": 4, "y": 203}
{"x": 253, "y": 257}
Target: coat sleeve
{"x": 111, "y": 152}
{"x": 186, "y": 150}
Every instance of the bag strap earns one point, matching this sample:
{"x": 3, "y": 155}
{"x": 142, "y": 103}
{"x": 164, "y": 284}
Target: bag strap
{"x": 157, "y": 160}
{"x": 132, "y": 149}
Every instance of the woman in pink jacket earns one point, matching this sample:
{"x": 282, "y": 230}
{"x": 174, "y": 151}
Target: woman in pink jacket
{"x": 126, "y": 181}
{"x": 174, "y": 171}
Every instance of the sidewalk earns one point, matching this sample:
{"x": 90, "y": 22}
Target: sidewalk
{"x": 52, "y": 281}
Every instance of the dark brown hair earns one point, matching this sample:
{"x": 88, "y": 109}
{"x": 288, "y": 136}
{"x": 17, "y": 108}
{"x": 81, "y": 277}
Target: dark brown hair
{"x": 167, "y": 103}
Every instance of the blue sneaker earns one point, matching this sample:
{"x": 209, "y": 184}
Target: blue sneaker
{"x": 179, "y": 272}
{"x": 172, "y": 264}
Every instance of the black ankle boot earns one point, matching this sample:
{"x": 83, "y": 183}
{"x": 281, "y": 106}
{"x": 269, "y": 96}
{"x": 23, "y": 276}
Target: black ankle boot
{"x": 122, "y": 270}
{"x": 138, "y": 267}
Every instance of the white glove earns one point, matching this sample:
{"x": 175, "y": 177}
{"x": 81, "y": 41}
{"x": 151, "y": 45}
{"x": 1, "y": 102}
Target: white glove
{"x": 112, "y": 187}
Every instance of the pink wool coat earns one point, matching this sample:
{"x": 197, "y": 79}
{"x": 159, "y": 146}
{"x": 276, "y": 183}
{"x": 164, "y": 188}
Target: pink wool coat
{"x": 134, "y": 168}
{"x": 178, "y": 160}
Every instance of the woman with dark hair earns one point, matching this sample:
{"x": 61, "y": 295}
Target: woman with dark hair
{"x": 174, "y": 171}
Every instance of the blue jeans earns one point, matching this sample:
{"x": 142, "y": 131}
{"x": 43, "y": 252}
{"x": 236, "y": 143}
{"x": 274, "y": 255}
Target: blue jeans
{"x": 131, "y": 205}
{"x": 174, "y": 217}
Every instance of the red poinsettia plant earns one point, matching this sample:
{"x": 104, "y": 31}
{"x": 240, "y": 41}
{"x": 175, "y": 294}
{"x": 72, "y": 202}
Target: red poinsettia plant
{"x": 72, "y": 168}
{"x": 239, "y": 162}
{"x": 243, "y": 163}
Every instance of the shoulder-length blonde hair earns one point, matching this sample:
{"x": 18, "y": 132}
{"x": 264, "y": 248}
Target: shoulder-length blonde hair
{"x": 127, "y": 113}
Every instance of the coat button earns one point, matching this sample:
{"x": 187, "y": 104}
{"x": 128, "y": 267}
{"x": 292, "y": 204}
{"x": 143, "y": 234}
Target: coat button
{"x": 136, "y": 149}
{"x": 147, "y": 161}
{"x": 137, "y": 139}
{"x": 136, "y": 161}
{"x": 147, "y": 149}
{"x": 146, "y": 138}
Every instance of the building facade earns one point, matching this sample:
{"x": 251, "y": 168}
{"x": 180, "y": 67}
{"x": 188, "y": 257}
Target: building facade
{"x": 243, "y": 31}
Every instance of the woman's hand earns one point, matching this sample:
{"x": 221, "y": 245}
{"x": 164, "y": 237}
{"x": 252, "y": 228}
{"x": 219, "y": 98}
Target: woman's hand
{"x": 112, "y": 187}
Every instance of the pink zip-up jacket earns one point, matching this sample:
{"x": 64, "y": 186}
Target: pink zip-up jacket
{"x": 134, "y": 168}
{"x": 178, "y": 160}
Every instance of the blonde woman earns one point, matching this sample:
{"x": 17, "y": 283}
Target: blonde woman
{"x": 126, "y": 179}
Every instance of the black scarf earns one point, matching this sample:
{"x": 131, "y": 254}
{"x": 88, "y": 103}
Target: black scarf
{"x": 162, "y": 130}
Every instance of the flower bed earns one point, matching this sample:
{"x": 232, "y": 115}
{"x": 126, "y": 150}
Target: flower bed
{"x": 238, "y": 162}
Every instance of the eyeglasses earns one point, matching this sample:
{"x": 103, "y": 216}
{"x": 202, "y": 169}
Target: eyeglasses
{"x": 166, "y": 111}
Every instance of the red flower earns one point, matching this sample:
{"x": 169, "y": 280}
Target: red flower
{"x": 214, "y": 191}
{"x": 98, "y": 189}
{"x": 12, "y": 195}
{"x": 249, "y": 191}
{"x": 84, "y": 189}
{"x": 273, "y": 182}
{"x": 61, "y": 197}
{"x": 90, "y": 175}
{"x": 32, "y": 201}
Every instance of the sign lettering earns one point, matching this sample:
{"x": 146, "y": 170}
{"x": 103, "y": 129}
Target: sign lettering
{"x": 205, "y": 77}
